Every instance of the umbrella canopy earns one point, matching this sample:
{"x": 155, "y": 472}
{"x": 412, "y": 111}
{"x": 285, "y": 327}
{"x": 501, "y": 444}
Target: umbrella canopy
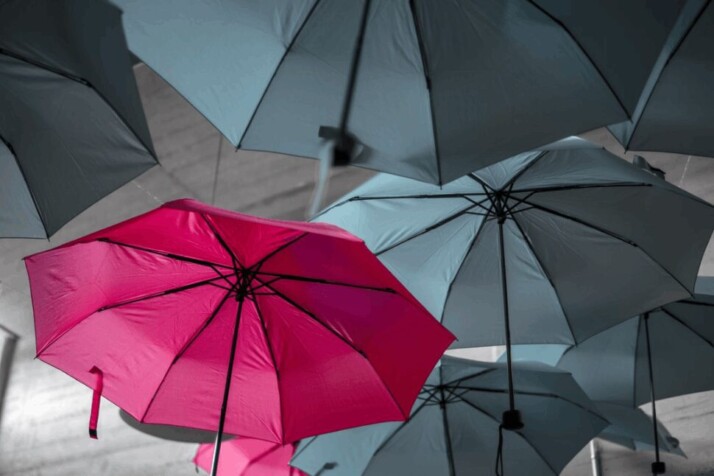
{"x": 629, "y": 426}
{"x": 249, "y": 457}
{"x": 613, "y": 366}
{"x": 191, "y": 315}
{"x": 454, "y": 427}
{"x": 72, "y": 128}
{"x": 588, "y": 241}
{"x": 442, "y": 88}
{"x": 632, "y": 428}
{"x": 550, "y": 246}
{"x": 676, "y": 108}
{"x": 659, "y": 354}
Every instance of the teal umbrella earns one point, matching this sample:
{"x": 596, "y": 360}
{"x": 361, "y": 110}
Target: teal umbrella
{"x": 629, "y": 426}
{"x": 454, "y": 427}
{"x": 663, "y": 353}
{"x": 675, "y": 110}
{"x": 434, "y": 90}
{"x": 632, "y": 428}
{"x": 72, "y": 129}
{"x": 550, "y": 246}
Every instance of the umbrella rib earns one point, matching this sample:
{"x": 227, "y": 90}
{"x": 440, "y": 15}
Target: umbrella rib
{"x": 165, "y": 254}
{"x": 527, "y": 441}
{"x": 470, "y": 248}
{"x": 525, "y": 169}
{"x": 27, "y": 184}
{"x": 277, "y": 250}
{"x": 165, "y": 292}
{"x": 558, "y": 188}
{"x": 529, "y": 394}
{"x": 546, "y": 274}
{"x": 609, "y": 233}
{"x": 680, "y": 42}
{"x": 221, "y": 241}
{"x": 395, "y": 432}
{"x": 80, "y": 80}
{"x": 587, "y": 55}
{"x": 275, "y": 72}
{"x": 183, "y": 350}
{"x": 687, "y": 326}
{"x": 427, "y": 78}
{"x": 447, "y": 431}
{"x": 269, "y": 344}
{"x": 361, "y": 352}
{"x": 292, "y": 277}
{"x": 426, "y": 230}
{"x": 313, "y": 317}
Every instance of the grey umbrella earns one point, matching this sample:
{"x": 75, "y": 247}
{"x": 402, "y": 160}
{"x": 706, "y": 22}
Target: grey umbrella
{"x": 442, "y": 88}
{"x": 675, "y": 111}
{"x": 550, "y": 246}
{"x": 454, "y": 428}
{"x": 72, "y": 128}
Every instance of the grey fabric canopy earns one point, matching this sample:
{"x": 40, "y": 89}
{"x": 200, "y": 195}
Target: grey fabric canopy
{"x": 72, "y": 128}
{"x": 444, "y": 87}
{"x": 675, "y": 111}
{"x": 588, "y": 241}
{"x": 454, "y": 427}
{"x": 613, "y": 365}
{"x": 632, "y": 428}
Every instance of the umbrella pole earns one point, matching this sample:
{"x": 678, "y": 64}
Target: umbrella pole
{"x": 511, "y": 419}
{"x": 224, "y": 406}
{"x": 658, "y": 467}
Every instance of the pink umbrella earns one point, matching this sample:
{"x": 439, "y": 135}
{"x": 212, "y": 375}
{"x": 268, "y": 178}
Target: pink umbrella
{"x": 195, "y": 316}
{"x": 249, "y": 457}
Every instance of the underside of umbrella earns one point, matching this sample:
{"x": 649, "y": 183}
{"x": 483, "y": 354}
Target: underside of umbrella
{"x": 454, "y": 428}
{"x": 442, "y": 88}
{"x": 72, "y": 128}
{"x": 676, "y": 108}
{"x": 195, "y": 315}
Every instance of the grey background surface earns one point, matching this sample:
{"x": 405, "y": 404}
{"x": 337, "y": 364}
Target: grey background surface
{"x": 43, "y": 426}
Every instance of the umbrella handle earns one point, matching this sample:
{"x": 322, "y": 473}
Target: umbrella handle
{"x": 96, "y": 400}
{"x": 658, "y": 467}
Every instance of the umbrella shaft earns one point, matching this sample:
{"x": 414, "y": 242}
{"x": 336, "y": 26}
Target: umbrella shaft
{"x": 652, "y": 386}
{"x": 226, "y": 391}
{"x": 354, "y": 66}
{"x": 504, "y": 288}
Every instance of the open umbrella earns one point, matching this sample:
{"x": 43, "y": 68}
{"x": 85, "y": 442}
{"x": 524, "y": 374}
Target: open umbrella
{"x": 195, "y": 316}
{"x": 249, "y": 457}
{"x": 427, "y": 89}
{"x": 72, "y": 128}
{"x": 454, "y": 427}
{"x": 632, "y": 428}
{"x": 550, "y": 246}
{"x": 659, "y": 354}
{"x": 676, "y": 108}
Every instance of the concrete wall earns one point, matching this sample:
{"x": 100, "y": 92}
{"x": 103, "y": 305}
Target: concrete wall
{"x": 43, "y": 430}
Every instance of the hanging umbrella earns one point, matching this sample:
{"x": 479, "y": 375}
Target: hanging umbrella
{"x": 550, "y": 246}
{"x": 72, "y": 129}
{"x": 249, "y": 457}
{"x": 632, "y": 428}
{"x": 676, "y": 108}
{"x": 659, "y": 354}
{"x": 194, "y": 316}
{"x": 454, "y": 427}
{"x": 434, "y": 89}
{"x": 629, "y": 426}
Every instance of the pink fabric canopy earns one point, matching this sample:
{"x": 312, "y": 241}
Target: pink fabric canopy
{"x": 249, "y": 457}
{"x": 325, "y": 339}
